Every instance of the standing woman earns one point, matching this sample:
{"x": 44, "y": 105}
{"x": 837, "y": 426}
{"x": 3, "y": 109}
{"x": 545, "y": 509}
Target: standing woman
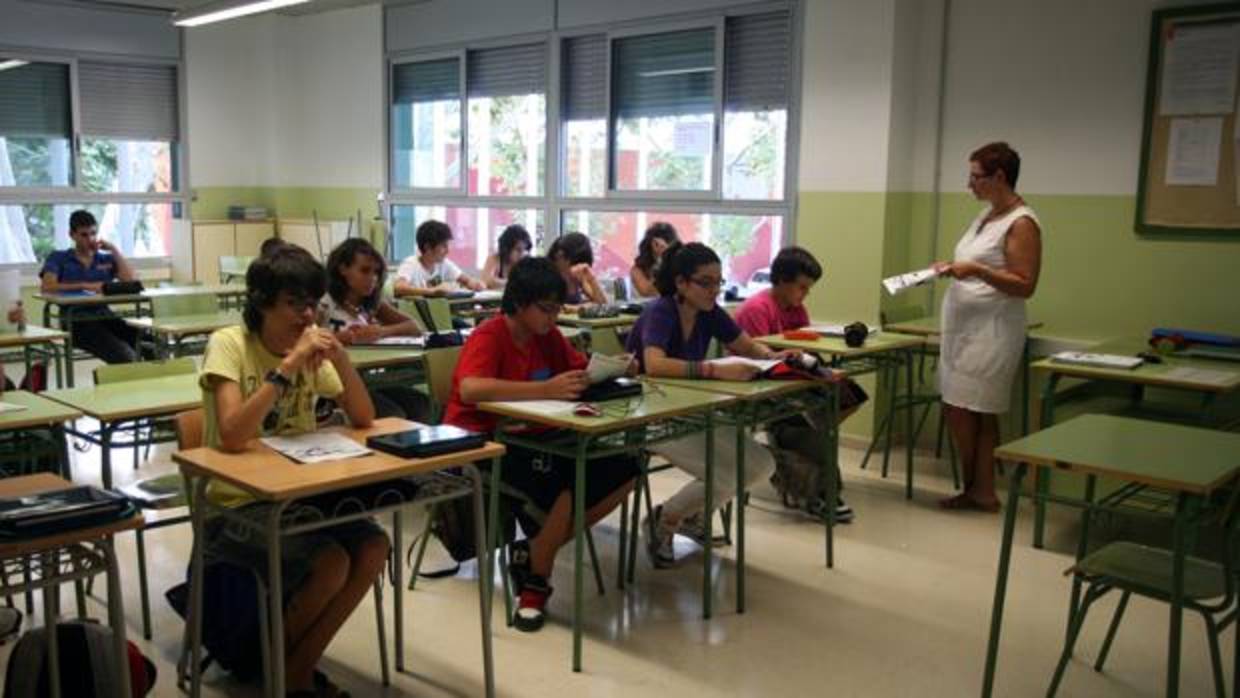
{"x": 645, "y": 266}
{"x": 514, "y": 245}
{"x": 995, "y": 269}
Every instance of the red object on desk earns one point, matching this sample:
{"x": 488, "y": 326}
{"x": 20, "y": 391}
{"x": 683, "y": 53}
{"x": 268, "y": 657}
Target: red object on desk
{"x": 802, "y": 335}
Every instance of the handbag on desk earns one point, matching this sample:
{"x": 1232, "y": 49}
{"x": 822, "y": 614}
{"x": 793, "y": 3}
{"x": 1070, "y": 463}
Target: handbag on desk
{"x": 122, "y": 288}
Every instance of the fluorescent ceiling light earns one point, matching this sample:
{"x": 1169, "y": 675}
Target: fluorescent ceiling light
{"x": 675, "y": 71}
{"x": 230, "y": 9}
{"x": 5, "y": 65}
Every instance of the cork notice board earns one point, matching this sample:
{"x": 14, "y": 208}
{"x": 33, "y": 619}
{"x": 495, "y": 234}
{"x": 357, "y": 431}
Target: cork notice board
{"x": 1188, "y": 181}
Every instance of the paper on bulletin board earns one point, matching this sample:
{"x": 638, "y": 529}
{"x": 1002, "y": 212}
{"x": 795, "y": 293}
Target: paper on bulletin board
{"x": 1193, "y": 152}
{"x": 1199, "y": 70}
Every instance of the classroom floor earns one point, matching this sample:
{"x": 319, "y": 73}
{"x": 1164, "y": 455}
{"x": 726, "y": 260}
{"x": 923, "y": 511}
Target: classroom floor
{"x": 905, "y": 612}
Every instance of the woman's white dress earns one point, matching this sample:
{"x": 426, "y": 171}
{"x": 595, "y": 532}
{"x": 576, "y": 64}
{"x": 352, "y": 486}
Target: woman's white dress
{"x": 983, "y": 329}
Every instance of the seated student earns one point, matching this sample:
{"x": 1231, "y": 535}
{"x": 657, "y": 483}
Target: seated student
{"x": 782, "y": 307}
{"x": 355, "y": 310}
{"x": 262, "y": 378}
{"x": 270, "y": 245}
{"x": 15, "y": 315}
{"x": 520, "y": 355}
{"x": 670, "y": 339}
{"x": 645, "y": 266}
{"x": 574, "y": 258}
{"x": 514, "y": 245}
{"x": 86, "y": 266}
{"x": 430, "y": 272}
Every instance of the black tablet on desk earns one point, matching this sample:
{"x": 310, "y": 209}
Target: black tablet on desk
{"x": 425, "y": 442}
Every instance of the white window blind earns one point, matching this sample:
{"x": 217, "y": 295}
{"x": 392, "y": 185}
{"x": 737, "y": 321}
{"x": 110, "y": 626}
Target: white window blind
{"x": 757, "y": 61}
{"x": 128, "y": 101}
{"x": 507, "y": 71}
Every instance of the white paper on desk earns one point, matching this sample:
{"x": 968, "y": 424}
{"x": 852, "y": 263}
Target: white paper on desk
{"x": 603, "y": 367}
{"x": 903, "y": 282}
{"x": 316, "y": 446}
{"x": 401, "y": 341}
{"x": 762, "y": 365}
{"x": 1193, "y": 152}
{"x": 1201, "y": 375}
{"x": 491, "y": 294}
{"x": 559, "y": 407}
{"x": 1199, "y": 70}
{"x": 10, "y": 407}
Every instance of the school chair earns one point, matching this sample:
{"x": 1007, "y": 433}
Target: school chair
{"x": 163, "y": 307}
{"x": 435, "y": 313}
{"x": 156, "y": 430}
{"x": 439, "y": 365}
{"x": 923, "y": 398}
{"x": 1132, "y": 568}
{"x": 190, "y": 435}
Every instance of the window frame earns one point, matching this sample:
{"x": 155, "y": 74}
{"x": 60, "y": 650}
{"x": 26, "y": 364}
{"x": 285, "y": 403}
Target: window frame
{"x": 181, "y": 195}
{"x": 554, "y": 202}
{"x": 462, "y": 189}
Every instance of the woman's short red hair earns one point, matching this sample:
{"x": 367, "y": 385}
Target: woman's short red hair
{"x": 998, "y": 156}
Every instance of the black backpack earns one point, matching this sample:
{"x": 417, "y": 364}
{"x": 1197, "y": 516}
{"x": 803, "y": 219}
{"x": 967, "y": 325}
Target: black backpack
{"x": 452, "y": 523}
{"x": 230, "y": 627}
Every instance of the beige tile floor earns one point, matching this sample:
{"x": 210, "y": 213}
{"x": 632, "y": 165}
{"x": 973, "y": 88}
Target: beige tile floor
{"x": 904, "y": 613}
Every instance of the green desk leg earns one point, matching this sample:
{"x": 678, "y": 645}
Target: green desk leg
{"x": 708, "y": 516}
{"x": 830, "y": 466}
{"x": 740, "y": 511}
{"x": 1001, "y": 578}
{"x": 1082, "y": 547}
{"x": 493, "y": 527}
{"x": 66, "y": 320}
{"x": 1177, "y": 595}
{"x": 579, "y": 518}
{"x": 1042, "y": 478}
{"x": 105, "y": 452}
{"x": 908, "y": 424}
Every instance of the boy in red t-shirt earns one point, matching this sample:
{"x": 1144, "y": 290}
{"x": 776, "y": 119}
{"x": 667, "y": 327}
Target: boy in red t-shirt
{"x": 780, "y": 308}
{"x": 520, "y": 355}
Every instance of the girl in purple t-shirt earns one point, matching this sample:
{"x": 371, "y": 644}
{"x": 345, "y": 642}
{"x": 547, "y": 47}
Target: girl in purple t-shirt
{"x": 671, "y": 340}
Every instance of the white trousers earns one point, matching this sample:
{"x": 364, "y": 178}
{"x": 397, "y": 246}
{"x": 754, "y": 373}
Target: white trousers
{"x": 689, "y": 454}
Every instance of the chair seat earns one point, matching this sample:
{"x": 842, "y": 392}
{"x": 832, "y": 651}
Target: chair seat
{"x": 163, "y": 492}
{"x": 1149, "y": 568}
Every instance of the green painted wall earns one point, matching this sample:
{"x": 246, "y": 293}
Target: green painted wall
{"x": 332, "y": 203}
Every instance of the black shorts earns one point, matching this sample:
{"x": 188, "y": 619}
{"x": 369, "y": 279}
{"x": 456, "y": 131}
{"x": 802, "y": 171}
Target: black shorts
{"x": 540, "y": 478}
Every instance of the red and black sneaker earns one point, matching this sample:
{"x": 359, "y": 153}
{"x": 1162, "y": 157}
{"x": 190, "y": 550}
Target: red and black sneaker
{"x": 532, "y": 604}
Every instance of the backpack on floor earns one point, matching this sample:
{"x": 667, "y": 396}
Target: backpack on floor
{"x": 87, "y": 666}
{"x": 453, "y": 525}
{"x": 797, "y": 479}
{"x": 230, "y": 624}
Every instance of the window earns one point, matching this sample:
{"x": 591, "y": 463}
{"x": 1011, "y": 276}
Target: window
{"x": 426, "y": 124}
{"x": 507, "y": 120}
{"x": 687, "y": 122}
{"x": 35, "y": 124}
{"x": 125, "y": 170}
{"x": 29, "y": 232}
{"x": 663, "y": 108}
{"x": 475, "y": 230}
{"x": 744, "y": 243}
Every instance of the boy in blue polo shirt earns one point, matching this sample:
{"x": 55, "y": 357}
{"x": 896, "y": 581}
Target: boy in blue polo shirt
{"x": 87, "y": 266}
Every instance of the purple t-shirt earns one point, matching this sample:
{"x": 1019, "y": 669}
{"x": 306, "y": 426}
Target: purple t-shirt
{"x": 659, "y": 326}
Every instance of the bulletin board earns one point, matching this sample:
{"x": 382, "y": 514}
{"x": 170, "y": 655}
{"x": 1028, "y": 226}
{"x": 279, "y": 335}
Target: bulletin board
{"x": 1191, "y": 138}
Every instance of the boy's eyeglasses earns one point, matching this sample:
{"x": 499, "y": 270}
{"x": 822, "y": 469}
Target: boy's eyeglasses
{"x": 301, "y": 303}
{"x": 706, "y": 283}
{"x": 550, "y": 308}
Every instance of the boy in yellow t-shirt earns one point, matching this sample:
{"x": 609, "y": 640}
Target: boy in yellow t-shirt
{"x": 263, "y": 378}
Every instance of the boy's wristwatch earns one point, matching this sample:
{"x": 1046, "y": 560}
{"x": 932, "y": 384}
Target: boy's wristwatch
{"x": 279, "y": 380}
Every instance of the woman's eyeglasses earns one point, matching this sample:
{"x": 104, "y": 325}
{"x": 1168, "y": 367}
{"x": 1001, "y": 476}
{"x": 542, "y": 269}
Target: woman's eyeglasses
{"x": 708, "y": 283}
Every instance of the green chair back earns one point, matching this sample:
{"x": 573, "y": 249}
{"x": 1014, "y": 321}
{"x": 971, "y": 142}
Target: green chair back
{"x": 605, "y": 340}
{"x": 439, "y": 365}
{"x": 901, "y": 313}
{"x": 118, "y": 373}
{"x": 188, "y": 304}
{"x": 435, "y": 313}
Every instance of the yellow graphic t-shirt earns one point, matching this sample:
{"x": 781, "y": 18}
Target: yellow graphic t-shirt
{"x": 236, "y": 354}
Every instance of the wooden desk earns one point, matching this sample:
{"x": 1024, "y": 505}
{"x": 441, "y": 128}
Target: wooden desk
{"x": 1168, "y": 374}
{"x": 90, "y": 550}
{"x": 762, "y": 402}
{"x": 36, "y": 339}
{"x": 270, "y": 477}
{"x": 170, "y": 332}
{"x": 661, "y": 413}
{"x": 115, "y": 403}
{"x": 1189, "y": 461}
{"x": 40, "y": 413}
{"x": 882, "y": 352}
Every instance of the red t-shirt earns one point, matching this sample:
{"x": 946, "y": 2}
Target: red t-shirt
{"x": 761, "y": 316}
{"x": 490, "y": 352}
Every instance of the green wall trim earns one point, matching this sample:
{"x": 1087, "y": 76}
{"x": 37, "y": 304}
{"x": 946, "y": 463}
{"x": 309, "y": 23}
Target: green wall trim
{"x": 334, "y": 203}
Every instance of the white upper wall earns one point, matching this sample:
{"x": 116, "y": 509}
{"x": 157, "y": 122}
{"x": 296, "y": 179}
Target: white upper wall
{"x": 328, "y": 103}
{"x": 846, "y": 94}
